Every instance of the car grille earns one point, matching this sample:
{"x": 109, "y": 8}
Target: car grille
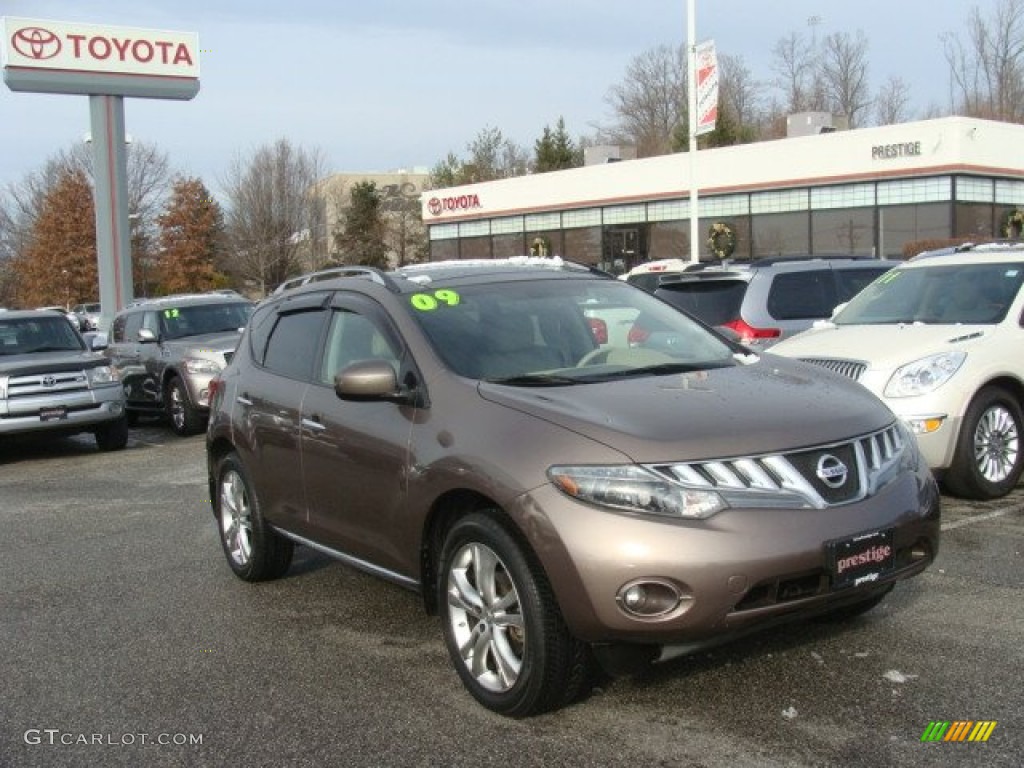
{"x": 46, "y": 384}
{"x": 819, "y": 477}
{"x": 851, "y": 369}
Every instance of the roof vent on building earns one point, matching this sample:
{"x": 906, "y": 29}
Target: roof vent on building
{"x": 814, "y": 123}
{"x": 607, "y": 153}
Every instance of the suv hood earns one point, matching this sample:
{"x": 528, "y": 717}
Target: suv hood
{"x": 770, "y": 406}
{"x": 880, "y": 346}
{"x": 50, "y": 362}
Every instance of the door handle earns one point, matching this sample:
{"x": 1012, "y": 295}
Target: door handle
{"x": 313, "y": 424}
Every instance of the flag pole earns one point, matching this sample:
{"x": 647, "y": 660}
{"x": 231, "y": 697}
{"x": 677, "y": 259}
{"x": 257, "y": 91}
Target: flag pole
{"x": 691, "y": 87}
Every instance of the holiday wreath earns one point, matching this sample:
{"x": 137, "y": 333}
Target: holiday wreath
{"x": 1013, "y": 224}
{"x": 721, "y": 240}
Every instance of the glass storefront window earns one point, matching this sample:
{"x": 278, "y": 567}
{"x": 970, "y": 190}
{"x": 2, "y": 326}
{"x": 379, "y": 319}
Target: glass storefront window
{"x": 781, "y": 234}
{"x": 669, "y": 240}
{"x": 973, "y": 221}
{"x": 844, "y": 231}
{"x": 475, "y": 248}
{"x": 583, "y": 245}
{"x": 444, "y": 250}
{"x": 900, "y": 225}
{"x": 507, "y": 246}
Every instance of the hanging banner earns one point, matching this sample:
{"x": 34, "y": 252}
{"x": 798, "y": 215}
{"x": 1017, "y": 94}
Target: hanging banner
{"x": 707, "y": 86}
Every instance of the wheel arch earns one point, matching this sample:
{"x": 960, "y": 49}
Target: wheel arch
{"x": 446, "y": 510}
{"x": 216, "y": 450}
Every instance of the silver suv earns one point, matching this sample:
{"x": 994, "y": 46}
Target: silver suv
{"x": 765, "y": 301}
{"x": 52, "y": 382}
{"x": 166, "y": 351}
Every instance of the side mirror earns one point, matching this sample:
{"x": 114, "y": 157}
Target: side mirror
{"x": 146, "y": 335}
{"x": 97, "y": 340}
{"x": 370, "y": 380}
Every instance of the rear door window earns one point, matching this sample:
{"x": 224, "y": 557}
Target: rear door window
{"x": 802, "y": 295}
{"x": 850, "y": 282}
{"x": 715, "y": 302}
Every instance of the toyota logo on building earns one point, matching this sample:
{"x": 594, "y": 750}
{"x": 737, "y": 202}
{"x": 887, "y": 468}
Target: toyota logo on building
{"x": 831, "y": 471}
{"x": 435, "y": 206}
{"x": 36, "y": 43}
{"x": 49, "y": 381}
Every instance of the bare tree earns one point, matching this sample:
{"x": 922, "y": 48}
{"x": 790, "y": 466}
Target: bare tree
{"x": 793, "y": 62}
{"x": 987, "y": 72}
{"x": 650, "y": 102}
{"x": 740, "y": 94}
{"x": 892, "y": 104}
{"x": 844, "y": 70}
{"x": 275, "y": 211}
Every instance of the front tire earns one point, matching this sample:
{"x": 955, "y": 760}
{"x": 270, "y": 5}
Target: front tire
{"x": 988, "y": 460}
{"x": 504, "y": 631}
{"x": 254, "y": 551}
{"x": 185, "y": 418}
{"x": 112, "y": 436}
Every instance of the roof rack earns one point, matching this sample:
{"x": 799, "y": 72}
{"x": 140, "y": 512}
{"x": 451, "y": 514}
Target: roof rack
{"x": 173, "y": 297}
{"x": 374, "y": 274}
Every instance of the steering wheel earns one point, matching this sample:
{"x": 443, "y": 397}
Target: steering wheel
{"x": 594, "y": 357}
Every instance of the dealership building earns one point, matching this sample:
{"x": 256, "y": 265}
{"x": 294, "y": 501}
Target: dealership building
{"x": 868, "y": 192}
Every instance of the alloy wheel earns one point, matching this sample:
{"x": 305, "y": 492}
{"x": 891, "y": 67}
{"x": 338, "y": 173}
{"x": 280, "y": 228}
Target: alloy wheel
{"x": 996, "y": 444}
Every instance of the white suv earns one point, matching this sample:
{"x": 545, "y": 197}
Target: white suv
{"x": 940, "y": 340}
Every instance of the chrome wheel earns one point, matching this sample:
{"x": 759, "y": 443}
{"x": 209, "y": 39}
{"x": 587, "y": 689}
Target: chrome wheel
{"x": 235, "y": 518}
{"x": 485, "y": 617}
{"x": 996, "y": 444}
{"x": 177, "y": 408}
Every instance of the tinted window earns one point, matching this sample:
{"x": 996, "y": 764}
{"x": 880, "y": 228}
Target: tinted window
{"x": 199, "y": 319}
{"x": 293, "y": 344}
{"x": 716, "y": 302}
{"x": 802, "y": 295}
{"x": 132, "y": 324}
{"x": 44, "y": 334}
{"x": 353, "y": 337}
{"x": 117, "y": 328}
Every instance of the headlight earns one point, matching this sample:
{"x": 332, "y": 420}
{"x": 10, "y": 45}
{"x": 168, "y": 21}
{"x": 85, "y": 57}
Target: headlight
{"x": 925, "y": 375}
{"x": 101, "y": 375}
{"x": 635, "y": 489}
{"x": 201, "y": 365}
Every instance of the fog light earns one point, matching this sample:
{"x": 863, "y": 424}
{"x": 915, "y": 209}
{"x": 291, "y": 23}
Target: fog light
{"x": 649, "y": 598}
{"x": 925, "y": 426}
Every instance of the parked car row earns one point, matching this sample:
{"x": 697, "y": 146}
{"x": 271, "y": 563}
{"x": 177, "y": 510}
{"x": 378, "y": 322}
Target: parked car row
{"x": 575, "y": 474}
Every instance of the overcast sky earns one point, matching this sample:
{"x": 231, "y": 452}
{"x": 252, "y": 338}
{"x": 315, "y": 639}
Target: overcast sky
{"x": 387, "y": 84}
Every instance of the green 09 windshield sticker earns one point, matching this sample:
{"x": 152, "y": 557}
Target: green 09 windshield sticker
{"x": 427, "y": 302}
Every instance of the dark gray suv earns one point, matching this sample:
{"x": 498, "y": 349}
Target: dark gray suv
{"x": 166, "y": 350}
{"x": 765, "y": 301}
{"x": 458, "y": 429}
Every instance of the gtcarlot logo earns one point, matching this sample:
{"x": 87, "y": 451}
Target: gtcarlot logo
{"x": 57, "y": 737}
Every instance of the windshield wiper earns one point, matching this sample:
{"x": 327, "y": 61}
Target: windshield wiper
{"x": 663, "y": 369}
{"x": 535, "y": 380}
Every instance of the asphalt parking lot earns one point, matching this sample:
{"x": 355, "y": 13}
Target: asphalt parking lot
{"x": 126, "y": 641}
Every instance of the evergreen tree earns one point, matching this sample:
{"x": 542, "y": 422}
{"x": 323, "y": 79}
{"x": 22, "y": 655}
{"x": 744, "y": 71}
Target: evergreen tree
{"x": 554, "y": 150}
{"x": 191, "y": 239}
{"x": 361, "y": 239}
{"x": 59, "y": 266}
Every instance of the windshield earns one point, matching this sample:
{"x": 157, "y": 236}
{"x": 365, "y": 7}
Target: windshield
{"x": 200, "y": 319}
{"x": 561, "y": 332}
{"x": 38, "y": 334}
{"x": 942, "y": 294}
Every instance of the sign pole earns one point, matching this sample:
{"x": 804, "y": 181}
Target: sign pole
{"x": 110, "y": 175}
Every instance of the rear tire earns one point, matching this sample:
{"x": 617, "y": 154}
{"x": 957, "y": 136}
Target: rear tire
{"x": 254, "y": 551}
{"x": 502, "y": 626}
{"x": 988, "y": 459}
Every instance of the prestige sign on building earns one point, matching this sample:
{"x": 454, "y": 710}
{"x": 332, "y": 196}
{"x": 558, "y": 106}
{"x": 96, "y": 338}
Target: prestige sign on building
{"x": 68, "y": 57}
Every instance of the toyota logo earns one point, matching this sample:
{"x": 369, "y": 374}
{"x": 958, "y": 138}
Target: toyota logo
{"x": 36, "y": 43}
{"x": 434, "y": 204}
{"x": 831, "y": 471}
{"x": 49, "y": 381}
